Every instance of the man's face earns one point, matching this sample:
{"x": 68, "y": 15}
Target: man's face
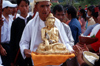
{"x": 11, "y": 10}
{"x": 80, "y": 8}
{"x": 44, "y": 9}
{"x": 59, "y": 15}
{"x": 89, "y": 12}
{"x": 8, "y": 10}
{"x": 23, "y": 7}
{"x": 15, "y": 10}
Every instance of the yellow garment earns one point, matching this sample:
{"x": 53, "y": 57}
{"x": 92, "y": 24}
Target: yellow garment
{"x": 91, "y": 21}
{"x": 42, "y": 60}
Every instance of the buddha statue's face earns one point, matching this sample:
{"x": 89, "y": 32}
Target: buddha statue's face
{"x": 50, "y": 22}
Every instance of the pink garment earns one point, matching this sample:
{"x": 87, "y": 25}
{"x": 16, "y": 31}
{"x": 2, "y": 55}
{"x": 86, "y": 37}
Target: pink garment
{"x": 91, "y": 21}
{"x": 83, "y": 24}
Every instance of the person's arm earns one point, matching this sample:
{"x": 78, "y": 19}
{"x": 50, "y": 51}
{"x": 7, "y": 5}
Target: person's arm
{"x": 43, "y": 31}
{"x": 2, "y": 50}
{"x": 65, "y": 38}
{"x": 87, "y": 31}
{"x": 74, "y": 33}
{"x": 69, "y": 34}
{"x": 79, "y": 53}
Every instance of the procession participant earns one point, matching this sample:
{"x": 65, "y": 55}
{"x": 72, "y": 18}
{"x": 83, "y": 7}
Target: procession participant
{"x": 5, "y": 32}
{"x": 74, "y": 23}
{"x": 16, "y": 32}
{"x": 82, "y": 20}
{"x": 31, "y": 37}
{"x": 75, "y": 27}
{"x": 58, "y": 12}
{"x": 14, "y": 13}
{"x": 89, "y": 15}
{"x": 1, "y": 23}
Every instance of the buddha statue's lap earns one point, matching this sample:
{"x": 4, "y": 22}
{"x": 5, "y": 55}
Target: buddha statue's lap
{"x": 50, "y": 39}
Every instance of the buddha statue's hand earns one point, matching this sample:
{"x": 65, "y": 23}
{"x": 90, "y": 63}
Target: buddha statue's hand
{"x": 59, "y": 47}
{"x": 47, "y": 47}
{"x": 52, "y": 41}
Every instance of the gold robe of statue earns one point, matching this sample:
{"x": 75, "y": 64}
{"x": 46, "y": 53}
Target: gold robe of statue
{"x": 50, "y": 37}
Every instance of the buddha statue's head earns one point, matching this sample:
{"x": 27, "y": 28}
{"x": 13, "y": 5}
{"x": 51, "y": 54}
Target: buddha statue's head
{"x": 50, "y": 20}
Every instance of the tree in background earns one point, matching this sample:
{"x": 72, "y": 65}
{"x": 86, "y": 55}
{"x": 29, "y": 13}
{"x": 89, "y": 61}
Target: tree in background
{"x": 77, "y": 3}
{"x": 86, "y": 2}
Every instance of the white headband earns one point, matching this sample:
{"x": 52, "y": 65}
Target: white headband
{"x": 35, "y": 1}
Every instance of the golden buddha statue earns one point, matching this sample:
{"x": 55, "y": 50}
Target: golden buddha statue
{"x": 50, "y": 37}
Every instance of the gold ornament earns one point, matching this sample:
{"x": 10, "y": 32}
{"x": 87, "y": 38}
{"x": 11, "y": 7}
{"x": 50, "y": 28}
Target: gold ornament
{"x": 50, "y": 37}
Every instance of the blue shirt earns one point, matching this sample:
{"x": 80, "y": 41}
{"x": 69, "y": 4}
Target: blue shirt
{"x": 89, "y": 29}
{"x": 75, "y": 28}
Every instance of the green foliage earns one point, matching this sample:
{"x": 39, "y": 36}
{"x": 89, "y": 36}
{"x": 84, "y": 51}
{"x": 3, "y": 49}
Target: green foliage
{"x": 63, "y": 3}
{"x": 53, "y": 4}
{"x": 78, "y": 3}
{"x": 93, "y": 36}
{"x": 91, "y": 2}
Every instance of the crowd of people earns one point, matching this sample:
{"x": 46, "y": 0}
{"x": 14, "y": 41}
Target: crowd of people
{"x": 21, "y": 32}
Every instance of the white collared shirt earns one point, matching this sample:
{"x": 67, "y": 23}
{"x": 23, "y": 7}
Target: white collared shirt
{"x": 0, "y": 60}
{"x": 24, "y": 18}
{"x": 17, "y": 15}
{"x": 6, "y": 29}
{"x": 38, "y": 39}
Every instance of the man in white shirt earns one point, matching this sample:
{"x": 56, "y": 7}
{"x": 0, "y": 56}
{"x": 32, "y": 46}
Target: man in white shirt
{"x": 5, "y": 32}
{"x": 31, "y": 37}
{"x": 58, "y": 12}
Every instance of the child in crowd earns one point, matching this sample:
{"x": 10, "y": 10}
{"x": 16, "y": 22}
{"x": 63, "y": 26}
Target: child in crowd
{"x": 16, "y": 32}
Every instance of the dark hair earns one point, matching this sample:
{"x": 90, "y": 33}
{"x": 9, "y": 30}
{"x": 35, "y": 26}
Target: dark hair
{"x": 90, "y": 8}
{"x": 3, "y": 8}
{"x": 79, "y": 6}
{"x": 95, "y": 12}
{"x": 99, "y": 7}
{"x": 84, "y": 13}
{"x": 13, "y": 2}
{"x": 58, "y": 8}
{"x": 72, "y": 10}
{"x": 19, "y": 1}
{"x": 65, "y": 7}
